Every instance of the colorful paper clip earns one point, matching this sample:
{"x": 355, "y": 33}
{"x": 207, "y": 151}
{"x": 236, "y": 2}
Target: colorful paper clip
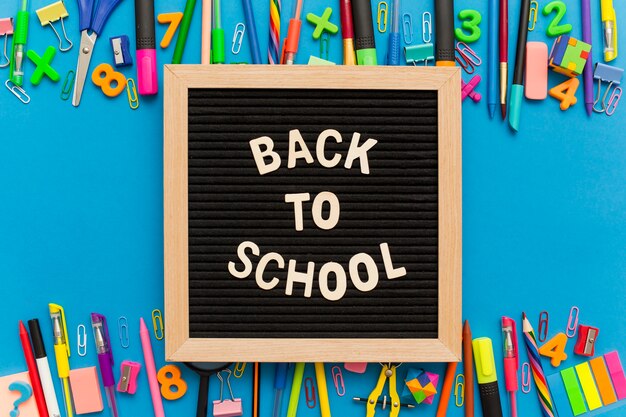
{"x": 325, "y": 46}
{"x": 240, "y": 368}
{"x": 427, "y": 27}
{"x": 338, "y": 380}
{"x": 157, "y": 324}
{"x": 525, "y": 377}
{"x": 68, "y": 84}
{"x": 6, "y": 29}
{"x": 542, "y": 331}
{"x": 227, "y": 408}
{"x": 131, "y": 91}
{"x": 415, "y": 54}
{"x": 611, "y": 75}
{"x": 611, "y": 106}
{"x": 17, "y": 91}
{"x": 53, "y": 13}
{"x": 572, "y": 322}
{"x": 122, "y": 327}
{"x": 407, "y": 28}
{"x": 309, "y": 393}
{"x": 382, "y": 16}
{"x": 459, "y": 390}
{"x": 467, "y": 59}
{"x": 240, "y": 31}
{"x": 532, "y": 16}
{"x": 81, "y": 339}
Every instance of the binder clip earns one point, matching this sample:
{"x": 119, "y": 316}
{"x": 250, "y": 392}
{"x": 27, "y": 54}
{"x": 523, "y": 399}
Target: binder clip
{"x": 227, "y": 408}
{"x": 121, "y": 51}
{"x": 586, "y": 343}
{"x": 128, "y": 381}
{"x": 53, "y": 13}
{"x": 611, "y": 75}
{"x": 416, "y": 54}
{"x": 6, "y": 29}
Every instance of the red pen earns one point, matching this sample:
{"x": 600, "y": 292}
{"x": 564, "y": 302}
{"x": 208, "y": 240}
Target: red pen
{"x": 511, "y": 361}
{"x": 33, "y": 373}
{"x": 504, "y": 53}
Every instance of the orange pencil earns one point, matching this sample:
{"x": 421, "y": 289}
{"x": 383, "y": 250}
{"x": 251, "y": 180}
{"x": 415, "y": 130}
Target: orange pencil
{"x": 468, "y": 370}
{"x": 255, "y": 394}
{"x": 448, "y": 380}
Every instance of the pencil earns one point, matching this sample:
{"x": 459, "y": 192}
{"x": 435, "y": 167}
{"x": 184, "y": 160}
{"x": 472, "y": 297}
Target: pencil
{"x": 468, "y": 370}
{"x": 205, "y": 57}
{"x": 446, "y": 390}
{"x": 322, "y": 389}
{"x": 183, "y": 31}
{"x": 256, "y": 398}
{"x": 296, "y": 387}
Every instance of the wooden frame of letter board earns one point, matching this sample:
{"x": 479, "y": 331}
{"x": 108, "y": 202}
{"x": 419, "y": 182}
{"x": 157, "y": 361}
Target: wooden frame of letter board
{"x": 179, "y": 346}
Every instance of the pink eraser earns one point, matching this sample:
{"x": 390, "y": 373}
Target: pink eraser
{"x": 86, "y": 390}
{"x": 356, "y": 367}
{"x": 536, "y": 80}
{"x": 614, "y": 365}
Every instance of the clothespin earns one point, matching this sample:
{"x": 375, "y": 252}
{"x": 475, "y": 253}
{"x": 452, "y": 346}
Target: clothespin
{"x": 53, "y": 13}
{"x": 6, "y": 29}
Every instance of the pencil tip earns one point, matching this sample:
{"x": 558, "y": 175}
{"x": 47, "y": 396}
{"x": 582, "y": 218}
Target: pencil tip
{"x": 492, "y": 110}
{"x": 523, "y": 315}
{"x": 503, "y": 108}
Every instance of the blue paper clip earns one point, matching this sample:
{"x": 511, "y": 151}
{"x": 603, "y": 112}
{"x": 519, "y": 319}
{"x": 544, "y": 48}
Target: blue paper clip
{"x": 407, "y": 28}
{"x": 240, "y": 30}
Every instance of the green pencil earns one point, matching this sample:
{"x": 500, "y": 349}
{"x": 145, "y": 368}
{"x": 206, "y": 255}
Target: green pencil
{"x": 296, "y": 387}
{"x": 183, "y": 32}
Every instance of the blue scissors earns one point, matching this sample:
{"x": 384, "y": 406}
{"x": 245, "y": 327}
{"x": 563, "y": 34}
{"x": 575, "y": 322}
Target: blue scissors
{"x": 93, "y": 21}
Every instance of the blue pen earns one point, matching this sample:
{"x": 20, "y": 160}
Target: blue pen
{"x": 492, "y": 81}
{"x": 393, "y": 54}
{"x": 280, "y": 382}
{"x": 254, "y": 40}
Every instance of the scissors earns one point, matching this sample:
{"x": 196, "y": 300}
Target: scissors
{"x": 94, "y": 22}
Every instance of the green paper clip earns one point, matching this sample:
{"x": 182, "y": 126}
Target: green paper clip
{"x": 68, "y": 84}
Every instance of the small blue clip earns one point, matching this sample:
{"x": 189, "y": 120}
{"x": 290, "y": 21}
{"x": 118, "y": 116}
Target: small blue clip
{"x": 121, "y": 51}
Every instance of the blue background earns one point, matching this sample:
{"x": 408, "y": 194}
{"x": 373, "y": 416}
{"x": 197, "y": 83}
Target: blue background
{"x": 81, "y": 206}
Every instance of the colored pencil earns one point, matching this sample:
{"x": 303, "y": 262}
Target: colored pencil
{"x": 444, "y": 399}
{"x": 273, "y": 48}
{"x": 504, "y": 54}
{"x": 543, "y": 393}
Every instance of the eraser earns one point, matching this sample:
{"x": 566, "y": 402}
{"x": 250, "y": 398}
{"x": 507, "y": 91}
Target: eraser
{"x": 86, "y": 390}
{"x": 356, "y": 367}
{"x": 536, "y": 71}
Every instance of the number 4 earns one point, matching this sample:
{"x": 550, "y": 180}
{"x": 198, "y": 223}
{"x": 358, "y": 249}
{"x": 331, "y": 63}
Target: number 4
{"x": 555, "y": 349}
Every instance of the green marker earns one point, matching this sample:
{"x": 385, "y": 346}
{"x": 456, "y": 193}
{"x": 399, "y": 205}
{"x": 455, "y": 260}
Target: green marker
{"x": 16, "y": 74}
{"x": 218, "y": 53}
{"x": 364, "y": 32}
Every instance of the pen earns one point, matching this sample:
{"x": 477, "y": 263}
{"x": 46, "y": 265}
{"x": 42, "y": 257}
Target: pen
{"x": 517, "y": 89}
{"x": 444, "y": 33}
{"x": 588, "y": 70}
{"x": 44, "y": 369}
{"x": 487, "y": 377}
{"x": 393, "y": 53}
{"x": 251, "y": 29}
{"x": 32, "y": 372}
{"x": 347, "y": 32}
{"x": 609, "y": 25}
{"x": 296, "y": 387}
{"x": 492, "y": 80}
{"x": 468, "y": 370}
{"x": 105, "y": 358}
{"x": 20, "y": 34}
{"x": 290, "y": 47}
{"x": 147, "y": 81}
{"x": 511, "y": 360}
{"x": 504, "y": 54}
{"x": 218, "y": 54}
{"x": 62, "y": 353}
{"x": 148, "y": 358}
{"x": 364, "y": 42}
{"x": 280, "y": 381}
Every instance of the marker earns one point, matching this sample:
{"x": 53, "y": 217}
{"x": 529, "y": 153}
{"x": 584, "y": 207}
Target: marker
{"x": 105, "y": 358}
{"x": 147, "y": 78}
{"x": 364, "y": 32}
{"x": 218, "y": 52}
{"x": 393, "y": 50}
{"x": 32, "y": 372}
{"x": 444, "y": 33}
{"x": 20, "y": 34}
{"x": 609, "y": 25}
{"x": 347, "y": 32}
{"x": 290, "y": 46}
{"x": 44, "y": 369}
{"x": 517, "y": 89}
{"x": 511, "y": 361}
{"x": 62, "y": 353}
{"x": 504, "y": 54}
{"x": 487, "y": 377}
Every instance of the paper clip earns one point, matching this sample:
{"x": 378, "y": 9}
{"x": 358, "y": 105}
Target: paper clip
{"x": 407, "y": 28}
{"x": 17, "y": 91}
{"x": 240, "y": 368}
{"x": 338, "y": 380}
{"x": 325, "y": 46}
{"x": 572, "y": 322}
{"x": 427, "y": 27}
{"x": 240, "y": 30}
{"x": 382, "y": 16}
{"x": 53, "y": 13}
{"x": 525, "y": 377}
{"x": 459, "y": 390}
{"x": 131, "y": 91}
{"x": 68, "y": 84}
{"x": 309, "y": 393}
{"x": 532, "y": 16}
{"x": 611, "y": 106}
{"x": 122, "y": 326}
{"x": 81, "y": 337}
{"x": 542, "y": 331}
{"x": 6, "y": 29}
{"x": 157, "y": 323}
{"x": 468, "y": 60}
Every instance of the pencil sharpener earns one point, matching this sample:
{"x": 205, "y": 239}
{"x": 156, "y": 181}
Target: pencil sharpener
{"x": 121, "y": 51}
{"x": 128, "y": 381}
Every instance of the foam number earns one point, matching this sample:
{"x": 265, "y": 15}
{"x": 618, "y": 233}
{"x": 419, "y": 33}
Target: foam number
{"x": 566, "y": 93}
{"x": 555, "y": 349}
{"x": 111, "y": 83}
{"x": 170, "y": 377}
{"x": 555, "y": 28}
{"x": 471, "y": 19}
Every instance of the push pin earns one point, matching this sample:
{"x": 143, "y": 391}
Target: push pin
{"x": 6, "y": 29}
{"x": 121, "y": 51}
{"x": 53, "y": 13}
{"x": 586, "y": 343}
{"x": 227, "y": 408}
{"x": 128, "y": 381}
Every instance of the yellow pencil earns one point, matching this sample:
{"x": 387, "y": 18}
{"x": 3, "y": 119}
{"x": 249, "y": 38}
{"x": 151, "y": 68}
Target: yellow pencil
{"x": 322, "y": 389}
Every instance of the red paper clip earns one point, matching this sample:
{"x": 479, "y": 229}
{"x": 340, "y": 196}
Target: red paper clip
{"x": 309, "y": 393}
{"x": 338, "y": 381}
{"x": 542, "y": 334}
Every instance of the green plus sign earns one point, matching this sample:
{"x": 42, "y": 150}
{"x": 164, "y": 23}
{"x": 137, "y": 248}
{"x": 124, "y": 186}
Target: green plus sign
{"x": 43, "y": 65}
{"x": 321, "y": 23}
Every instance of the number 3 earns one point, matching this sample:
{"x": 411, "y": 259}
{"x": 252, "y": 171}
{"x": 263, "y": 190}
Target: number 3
{"x": 471, "y": 20}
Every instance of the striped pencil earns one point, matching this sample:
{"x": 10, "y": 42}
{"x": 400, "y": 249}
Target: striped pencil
{"x": 273, "y": 49}
{"x": 543, "y": 393}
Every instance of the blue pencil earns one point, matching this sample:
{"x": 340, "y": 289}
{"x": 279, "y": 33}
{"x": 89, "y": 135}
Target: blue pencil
{"x": 251, "y": 30}
{"x": 492, "y": 80}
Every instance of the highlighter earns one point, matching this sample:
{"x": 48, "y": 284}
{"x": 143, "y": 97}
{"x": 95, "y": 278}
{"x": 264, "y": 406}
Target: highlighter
{"x": 364, "y": 32}
{"x": 487, "y": 377}
{"x": 609, "y": 27}
{"x": 147, "y": 80}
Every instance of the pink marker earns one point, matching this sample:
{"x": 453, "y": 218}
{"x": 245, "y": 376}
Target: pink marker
{"x": 147, "y": 79}
{"x": 148, "y": 358}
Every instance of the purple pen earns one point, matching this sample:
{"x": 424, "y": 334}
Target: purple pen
{"x": 588, "y": 70}
{"x": 105, "y": 358}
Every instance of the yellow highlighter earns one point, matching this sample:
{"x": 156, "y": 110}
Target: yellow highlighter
{"x": 609, "y": 27}
{"x": 62, "y": 353}
{"x": 487, "y": 377}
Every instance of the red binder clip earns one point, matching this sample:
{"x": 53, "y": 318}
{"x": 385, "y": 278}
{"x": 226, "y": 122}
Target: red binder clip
{"x": 586, "y": 343}
{"x": 227, "y": 408}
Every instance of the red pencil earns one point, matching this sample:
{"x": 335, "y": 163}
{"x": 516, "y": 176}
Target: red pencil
{"x": 504, "y": 53}
{"x": 33, "y": 373}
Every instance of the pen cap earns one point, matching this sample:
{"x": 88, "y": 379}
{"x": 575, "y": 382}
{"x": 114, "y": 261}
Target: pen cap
{"x": 484, "y": 360}
{"x": 144, "y": 24}
{"x": 36, "y": 338}
{"x": 363, "y": 24}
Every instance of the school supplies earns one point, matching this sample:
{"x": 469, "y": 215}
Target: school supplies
{"x": 122, "y": 327}
{"x": 174, "y": 20}
{"x": 53, "y": 13}
{"x": 322, "y": 23}
{"x": 517, "y": 89}
{"x": 86, "y": 390}
{"x": 471, "y": 21}
{"x": 504, "y": 54}
{"x": 25, "y": 392}
{"x": 218, "y": 52}
{"x": 183, "y": 32}
{"x": 382, "y": 402}
{"x": 42, "y": 64}
{"x": 280, "y": 382}
{"x": 572, "y": 322}
{"x": 9, "y": 396}
{"x": 467, "y": 58}
{"x": 239, "y": 369}
{"x": 532, "y": 17}
{"x": 147, "y": 81}
{"x": 320, "y": 376}
{"x": 459, "y": 391}
{"x": 555, "y": 28}
{"x": 111, "y": 82}
{"x": 121, "y": 51}
{"x": 607, "y": 74}
{"x": 388, "y": 372}
{"x": 407, "y": 28}
{"x": 468, "y": 370}
{"x": 511, "y": 361}
{"x": 356, "y": 367}
{"x": 419, "y": 386}
{"x": 543, "y": 393}
{"x": 296, "y": 386}
{"x": 446, "y": 389}
{"x": 105, "y": 355}
{"x": 427, "y": 27}
{"x": 393, "y": 50}
{"x": 536, "y": 73}
{"x": 148, "y": 358}
{"x": 609, "y": 27}
{"x": 81, "y": 337}
{"x": 18, "y": 49}
{"x": 382, "y": 15}
{"x": 492, "y": 80}
{"x": 61, "y": 352}
{"x": 347, "y": 32}
{"x": 290, "y": 46}
{"x": 32, "y": 371}
{"x": 309, "y": 393}
{"x": 337, "y": 376}
{"x": 526, "y": 378}
{"x": 157, "y": 324}
{"x": 588, "y": 71}
{"x": 128, "y": 377}
{"x": 487, "y": 377}
{"x": 6, "y": 29}
{"x": 415, "y": 54}
{"x": 170, "y": 376}
{"x": 614, "y": 365}
{"x": 569, "y": 56}
{"x": 224, "y": 407}
{"x": 586, "y": 343}
{"x": 273, "y": 48}
{"x": 255, "y": 50}
{"x": 205, "y": 42}
{"x": 43, "y": 367}
{"x": 444, "y": 33}
{"x": 256, "y": 389}
{"x": 238, "y": 35}
{"x": 133, "y": 97}
{"x": 364, "y": 32}
{"x": 603, "y": 380}
{"x": 542, "y": 333}
{"x": 468, "y": 89}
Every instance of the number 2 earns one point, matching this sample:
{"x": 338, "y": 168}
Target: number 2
{"x": 555, "y": 28}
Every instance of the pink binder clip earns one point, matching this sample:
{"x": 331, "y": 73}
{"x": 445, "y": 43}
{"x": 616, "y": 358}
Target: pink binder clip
{"x": 227, "y": 408}
{"x": 128, "y": 381}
